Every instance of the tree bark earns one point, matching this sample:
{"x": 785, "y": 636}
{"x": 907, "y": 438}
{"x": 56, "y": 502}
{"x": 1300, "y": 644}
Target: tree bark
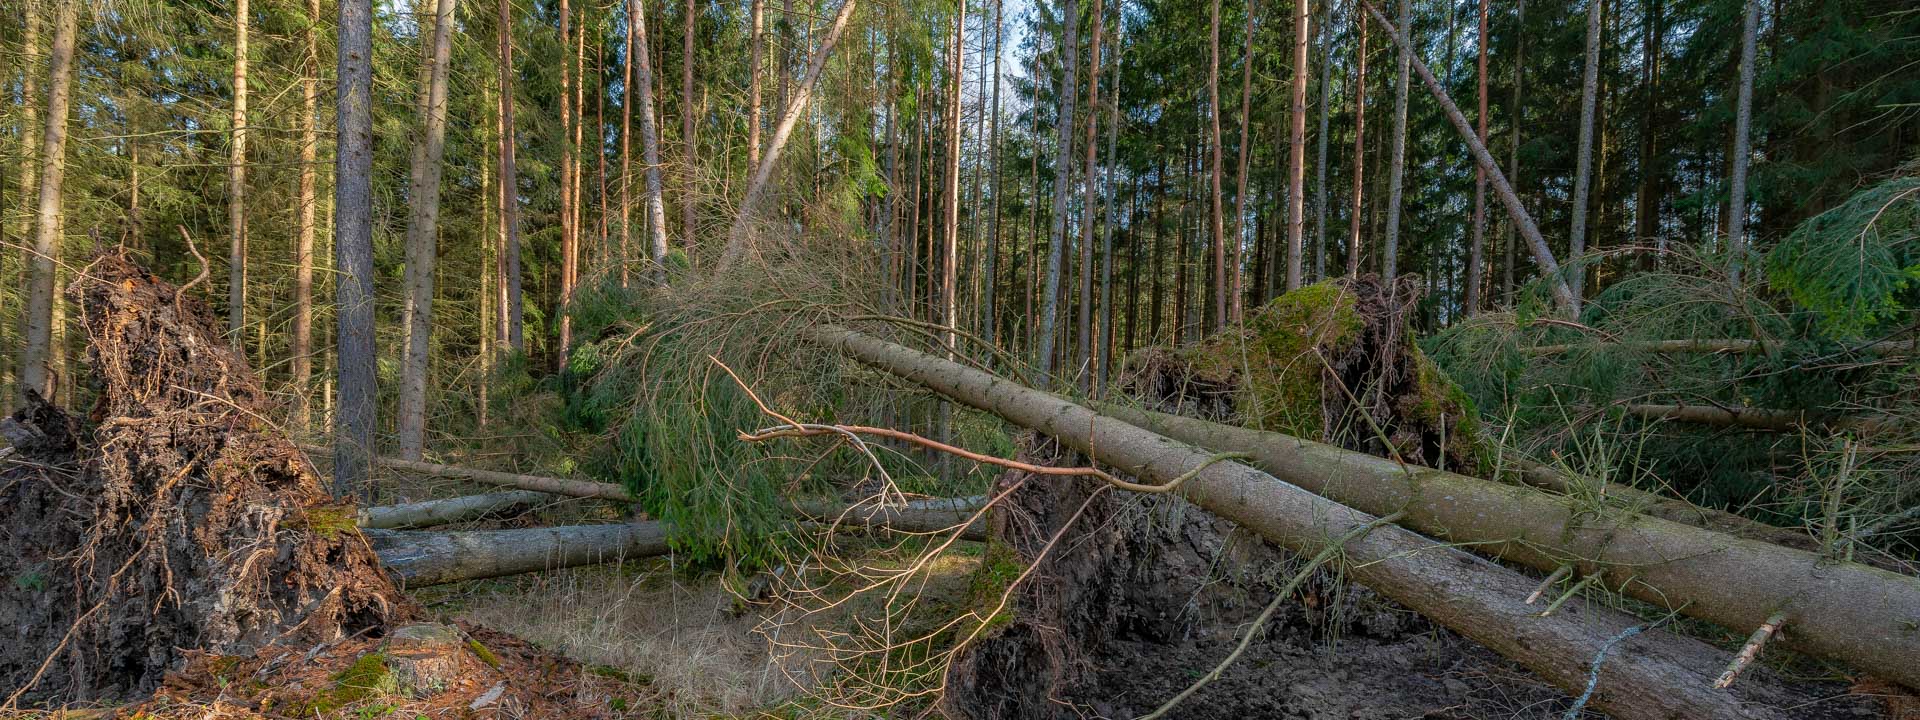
{"x": 1476, "y": 255}
{"x": 950, "y": 186}
{"x": 1668, "y": 676}
{"x": 1359, "y": 148}
{"x": 36, "y": 373}
{"x": 991, "y": 315}
{"x": 689, "y": 145}
{"x": 429, "y": 513}
{"x": 649, "y": 138}
{"x": 1320, "y": 179}
{"x": 307, "y": 197}
{"x": 1397, "y": 160}
{"x": 1646, "y": 202}
{"x": 1523, "y": 222}
{"x": 556, "y": 486}
{"x": 237, "y": 186}
{"x": 1090, "y": 203}
{"x": 739, "y": 240}
{"x": 1297, "y": 142}
{"x": 1513, "y": 148}
{"x": 1067, "y": 96}
{"x": 756, "y": 42}
{"x": 1240, "y": 188}
{"x": 1842, "y": 610}
{"x": 915, "y": 516}
{"x": 1742, "y": 146}
{"x": 420, "y": 559}
{"x": 354, "y": 357}
{"x": 1583, "y": 170}
{"x": 1222, "y": 285}
{"x": 1103, "y": 358}
{"x": 422, "y": 235}
{"x": 512, "y": 314}
{"x": 1771, "y": 419}
{"x": 626, "y": 144}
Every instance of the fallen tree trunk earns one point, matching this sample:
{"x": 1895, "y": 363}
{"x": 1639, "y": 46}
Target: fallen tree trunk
{"x": 1759, "y": 418}
{"x": 1845, "y": 611}
{"x": 1730, "y": 346}
{"x": 557, "y": 486}
{"x": 428, "y": 513}
{"x": 1654, "y": 675}
{"x": 917, "y": 516}
{"x": 419, "y": 559}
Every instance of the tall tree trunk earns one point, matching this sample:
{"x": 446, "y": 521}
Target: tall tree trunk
{"x": 302, "y": 350}
{"x": 649, "y": 137}
{"x": 689, "y": 144}
{"x": 29, "y": 170}
{"x": 756, "y": 42}
{"x": 1397, "y": 160}
{"x": 626, "y": 147}
{"x": 738, "y": 240}
{"x": 354, "y": 357}
{"x": 1742, "y": 146}
{"x": 992, "y": 317}
{"x": 1359, "y": 147}
{"x": 1089, "y": 204}
{"x": 511, "y": 312}
{"x": 1513, "y": 147}
{"x": 422, "y": 233}
{"x": 237, "y": 186}
{"x": 1475, "y": 255}
{"x": 1067, "y": 96}
{"x": 35, "y": 369}
{"x": 1221, "y": 283}
{"x": 1320, "y": 179}
{"x": 1583, "y": 171}
{"x": 1103, "y": 358}
{"x": 950, "y": 184}
{"x": 1646, "y": 202}
{"x": 1240, "y": 189}
{"x": 1297, "y": 157}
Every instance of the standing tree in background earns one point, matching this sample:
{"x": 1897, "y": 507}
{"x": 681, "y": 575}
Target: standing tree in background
{"x": 1397, "y": 160}
{"x": 1359, "y": 144}
{"x": 1476, "y": 260}
{"x": 688, "y": 144}
{"x": 512, "y": 316}
{"x": 304, "y": 202}
{"x": 1320, "y": 179}
{"x": 237, "y": 186}
{"x": 1240, "y": 188}
{"x": 1583, "y": 170}
{"x": 1221, "y": 282}
{"x": 569, "y": 192}
{"x": 1089, "y": 203}
{"x": 756, "y": 42}
{"x": 991, "y": 317}
{"x": 422, "y": 231}
{"x": 1742, "y": 149}
{"x": 1063, "y": 172}
{"x": 1297, "y": 142}
{"x": 950, "y": 184}
{"x": 353, "y": 417}
{"x": 36, "y": 373}
{"x": 640, "y": 50}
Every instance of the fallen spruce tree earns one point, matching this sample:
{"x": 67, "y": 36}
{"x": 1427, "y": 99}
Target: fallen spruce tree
{"x": 177, "y": 552}
{"x": 1036, "y": 667}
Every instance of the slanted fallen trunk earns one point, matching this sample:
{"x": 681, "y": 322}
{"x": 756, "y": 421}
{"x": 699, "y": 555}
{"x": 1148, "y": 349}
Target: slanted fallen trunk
{"x": 916, "y": 516}
{"x": 1845, "y": 611}
{"x": 428, "y": 513}
{"x": 419, "y": 559}
{"x": 557, "y": 486}
{"x": 1650, "y": 675}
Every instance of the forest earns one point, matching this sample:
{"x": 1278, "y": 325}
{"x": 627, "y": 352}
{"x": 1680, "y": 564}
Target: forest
{"x": 943, "y": 359}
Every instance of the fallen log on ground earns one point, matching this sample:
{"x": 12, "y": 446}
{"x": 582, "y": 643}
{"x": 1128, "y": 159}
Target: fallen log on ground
{"x": 916, "y": 516}
{"x": 557, "y": 486}
{"x": 419, "y": 559}
{"x": 1729, "y": 346}
{"x": 1853, "y": 613}
{"x": 1653, "y": 675}
{"x": 1760, "y": 418}
{"x": 428, "y": 513}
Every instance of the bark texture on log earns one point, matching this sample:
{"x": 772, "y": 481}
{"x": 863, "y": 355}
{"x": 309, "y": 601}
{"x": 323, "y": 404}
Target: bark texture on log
{"x": 557, "y": 486}
{"x": 1651, "y": 675}
{"x": 1844, "y": 611}
{"x": 918, "y": 516}
{"x": 420, "y": 559}
{"x": 1760, "y": 418}
{"x": 428, "y": 513}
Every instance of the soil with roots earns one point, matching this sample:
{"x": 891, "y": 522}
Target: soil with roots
{"x": 176, "y": 540}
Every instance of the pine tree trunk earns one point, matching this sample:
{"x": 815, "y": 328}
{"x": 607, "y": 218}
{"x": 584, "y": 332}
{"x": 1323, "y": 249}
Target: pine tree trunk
{"x": 1067, "y": 96}
{"x": 1090, "y": 203}
{"x": 512, "y": 316}
{"x": 689, "y": 144}
{"x": 1240, "y": 189}
{"x": 756, "y": 42}
{"x": 422, "y": 234}
{"x": 1742, "y": 146}
{"x": 1583, "y": 171}
{"x": 1103, "y": 359}
{"x": 950, "y": 184}
{"x": 1359, "y": 148}
{"x": 1216, "y": 229}
{"x": 354, "y": 417}
{"x": 302, "y": 350}
{"x": 1320, "y": 179}
{"x": 237, "y": 186}
{"x": 649, "y": 137}
{"x": 36, "y": 374}
{"x": 1475, "y": 255}
{"x": 991, "y": 321}
{"x": 1297, "y": 140}
{"x": 1513, "y": 148}
{"x": 626, "y": 149}
{"x": 1397, "y": 160}
{"x": 738, "y": 239}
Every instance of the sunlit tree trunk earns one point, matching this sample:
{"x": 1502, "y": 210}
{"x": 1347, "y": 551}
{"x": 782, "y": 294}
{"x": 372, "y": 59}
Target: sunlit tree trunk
{"x": 1742, "y": 146}
{"x": 991, "y": 322}
{"x": 756, "y": 42}
{"x": 649, "y": 137}
{"x": 626, "y": 149}
{"x": 1297, "y": 141}
{"x": 35, "y": 372}
{"x": 1222, "y": 284}
{"x": 1583, "y": 170}
{"x": 1359, "y": 147}
{"x": 305, "y": 201}
{"x": 422, "y": 233}
{"x": 569, "y": 193}
{"x": 237, "y": 185}
{"x": 1476, "y": 260}
{"x": 509, "y": 191}
{"x": 1397, "y": 160}
{"x": 950, "y": 181}
{"x": 1067, "y": 97}
{"x": 354, "y": 417}
{"x": 1089, "y": 204}
{"x": 689, "y": 145}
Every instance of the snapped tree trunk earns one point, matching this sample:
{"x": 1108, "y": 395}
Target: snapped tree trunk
{"x": 422, "y": 232}
{"x": 1660, "y": 676}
